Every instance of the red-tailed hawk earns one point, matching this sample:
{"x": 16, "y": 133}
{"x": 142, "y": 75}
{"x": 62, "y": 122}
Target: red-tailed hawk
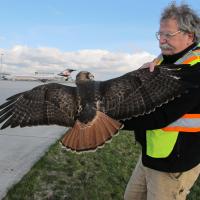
{"x": 94, "y": 108}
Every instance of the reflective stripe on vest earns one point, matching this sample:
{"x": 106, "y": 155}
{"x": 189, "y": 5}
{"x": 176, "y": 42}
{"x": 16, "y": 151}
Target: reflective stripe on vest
{"x": 192, "y": 57}
{"x": 160, "y": 142}
{"x": 187, "y": 123}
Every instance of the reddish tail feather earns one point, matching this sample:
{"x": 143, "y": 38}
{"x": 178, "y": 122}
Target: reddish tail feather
{"x": 90, "y": 136}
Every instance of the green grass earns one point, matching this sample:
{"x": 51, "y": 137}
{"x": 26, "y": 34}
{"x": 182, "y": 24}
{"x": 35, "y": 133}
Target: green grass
{"x": 103, "y": 175}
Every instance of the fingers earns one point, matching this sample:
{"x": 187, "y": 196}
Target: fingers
{"x": 151, "y": 65}
{"x": 145, "y": 65}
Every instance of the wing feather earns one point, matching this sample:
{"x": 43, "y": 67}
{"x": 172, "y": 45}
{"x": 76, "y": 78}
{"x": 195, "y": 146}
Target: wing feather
{"x": 43, "y": 105}
{"x": 141, "y": 92}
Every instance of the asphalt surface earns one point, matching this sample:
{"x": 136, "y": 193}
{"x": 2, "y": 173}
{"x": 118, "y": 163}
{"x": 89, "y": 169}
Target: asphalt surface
{"x": 20, "y": 148}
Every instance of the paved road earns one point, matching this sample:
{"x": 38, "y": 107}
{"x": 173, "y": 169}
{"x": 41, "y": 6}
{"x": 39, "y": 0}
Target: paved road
{"x": 20, "y": 148}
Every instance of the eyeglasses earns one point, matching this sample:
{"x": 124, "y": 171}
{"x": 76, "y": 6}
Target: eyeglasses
{"x": 166, "y": 35}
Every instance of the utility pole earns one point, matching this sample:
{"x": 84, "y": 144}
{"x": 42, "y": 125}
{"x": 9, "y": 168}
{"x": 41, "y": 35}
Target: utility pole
{"x": 2, "y": 63}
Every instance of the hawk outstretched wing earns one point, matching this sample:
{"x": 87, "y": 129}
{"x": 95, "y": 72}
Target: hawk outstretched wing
{"x": 43, "y": 105}
{"x": 140, "y": 92}
{"x": 93, "y": 108}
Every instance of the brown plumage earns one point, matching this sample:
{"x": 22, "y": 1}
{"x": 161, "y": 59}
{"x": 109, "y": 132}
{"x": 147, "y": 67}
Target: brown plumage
{"x": 93, "y": 108}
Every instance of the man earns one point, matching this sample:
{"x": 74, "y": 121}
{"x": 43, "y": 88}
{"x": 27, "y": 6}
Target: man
{"x": 170, "y": 136}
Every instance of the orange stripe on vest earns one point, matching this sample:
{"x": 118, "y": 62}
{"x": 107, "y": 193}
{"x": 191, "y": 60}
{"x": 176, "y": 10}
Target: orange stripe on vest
{"x": 181, "y": 129}
{"x": 190, "y": 59}
{"x": 191, "y": 116}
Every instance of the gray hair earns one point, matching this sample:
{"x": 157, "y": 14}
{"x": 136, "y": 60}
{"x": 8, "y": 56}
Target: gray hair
{"x": 187, "y": 19}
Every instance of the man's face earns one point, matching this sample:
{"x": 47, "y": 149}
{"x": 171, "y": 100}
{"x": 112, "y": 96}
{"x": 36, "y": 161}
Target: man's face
{"x": 176, "y": 42}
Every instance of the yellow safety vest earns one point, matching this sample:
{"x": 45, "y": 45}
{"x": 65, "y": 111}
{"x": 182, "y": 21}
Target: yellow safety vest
{"x": 160, "y": 142}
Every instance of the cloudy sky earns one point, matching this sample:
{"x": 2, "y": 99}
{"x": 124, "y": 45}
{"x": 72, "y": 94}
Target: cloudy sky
{"x": 106, "y": 37}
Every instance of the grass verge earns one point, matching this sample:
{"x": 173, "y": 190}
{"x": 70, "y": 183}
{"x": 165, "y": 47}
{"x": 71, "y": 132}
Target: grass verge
{"x": 103, "y": 175}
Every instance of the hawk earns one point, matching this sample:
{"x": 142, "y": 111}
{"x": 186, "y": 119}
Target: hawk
{"x": 95, "y": 110}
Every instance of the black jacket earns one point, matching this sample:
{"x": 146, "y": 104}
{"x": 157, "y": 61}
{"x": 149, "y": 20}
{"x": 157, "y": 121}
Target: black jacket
{"x": 186, "y": 152}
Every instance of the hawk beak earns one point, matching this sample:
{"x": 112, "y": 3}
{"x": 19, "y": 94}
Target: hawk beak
{"x": 91, "y": 77}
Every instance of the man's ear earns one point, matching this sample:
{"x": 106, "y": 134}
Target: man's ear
{"x": 191, "y": 36}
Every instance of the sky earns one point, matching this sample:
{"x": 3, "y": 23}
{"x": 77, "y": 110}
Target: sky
{"x": 105, "y": 37}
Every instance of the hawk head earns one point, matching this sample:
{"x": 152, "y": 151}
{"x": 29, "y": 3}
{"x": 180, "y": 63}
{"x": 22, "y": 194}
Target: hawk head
{"x": 84, "y": 76}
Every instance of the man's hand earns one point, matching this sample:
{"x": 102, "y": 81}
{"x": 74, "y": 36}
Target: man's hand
{"x": 151, "y": 65}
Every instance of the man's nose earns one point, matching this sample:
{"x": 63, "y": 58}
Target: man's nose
{"x": 162, "y": 40}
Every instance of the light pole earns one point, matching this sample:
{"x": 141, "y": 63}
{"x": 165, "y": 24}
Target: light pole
{"x": 2, "y": 63}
